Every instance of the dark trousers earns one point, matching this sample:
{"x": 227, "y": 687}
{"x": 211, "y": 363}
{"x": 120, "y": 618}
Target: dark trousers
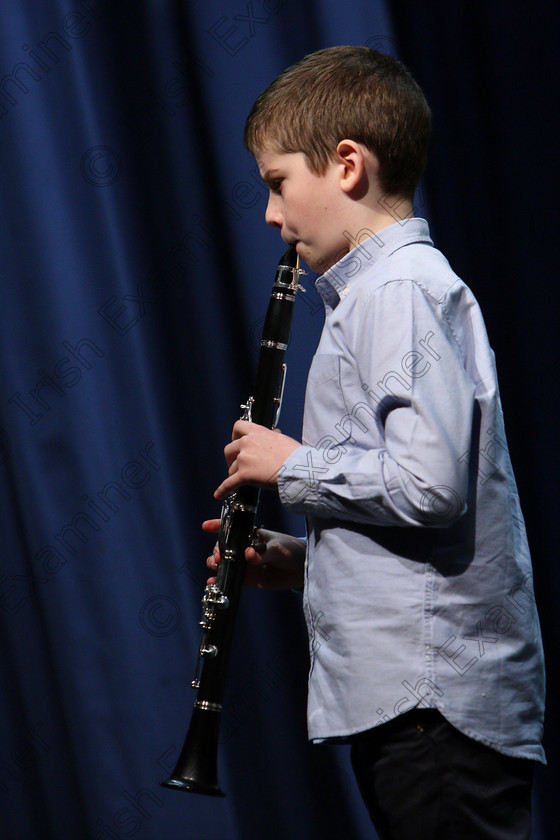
{"x": 422, "y": 779}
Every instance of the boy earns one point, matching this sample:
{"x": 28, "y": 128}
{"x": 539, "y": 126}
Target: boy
{"x": 417, "y": 571}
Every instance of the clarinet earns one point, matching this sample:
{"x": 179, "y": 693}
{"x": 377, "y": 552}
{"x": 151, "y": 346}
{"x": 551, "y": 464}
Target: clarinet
{"x": 196, "y": 769}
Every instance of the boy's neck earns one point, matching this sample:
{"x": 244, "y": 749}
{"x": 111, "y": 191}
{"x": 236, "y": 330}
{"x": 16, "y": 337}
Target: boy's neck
{"x": 377, "y": 214}
{"x": 373, "y": 208}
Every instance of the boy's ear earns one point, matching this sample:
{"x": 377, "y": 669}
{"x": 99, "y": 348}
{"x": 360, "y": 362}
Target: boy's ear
{"x": 356, "y": 160}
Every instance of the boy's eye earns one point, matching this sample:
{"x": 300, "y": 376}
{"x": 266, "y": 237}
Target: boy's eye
{"x": 275, "y": 185}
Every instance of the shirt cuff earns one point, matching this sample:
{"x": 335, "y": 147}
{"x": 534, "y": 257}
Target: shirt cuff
{"x": 298, "y": 480}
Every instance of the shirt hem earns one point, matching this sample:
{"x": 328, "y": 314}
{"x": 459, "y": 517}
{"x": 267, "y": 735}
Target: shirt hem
{"x": 345, "y": 737}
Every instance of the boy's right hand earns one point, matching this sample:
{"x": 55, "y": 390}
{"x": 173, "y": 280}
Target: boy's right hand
{"x": 279, "y": 566}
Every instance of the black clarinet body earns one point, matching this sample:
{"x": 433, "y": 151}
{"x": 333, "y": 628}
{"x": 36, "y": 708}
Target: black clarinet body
{"x": 196, "y": 769}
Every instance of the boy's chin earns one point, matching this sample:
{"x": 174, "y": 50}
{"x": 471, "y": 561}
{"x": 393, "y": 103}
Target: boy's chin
{"x": 320, "y": 264}
{"x": 319, "y": 260}
{"x": 312, "y": 260}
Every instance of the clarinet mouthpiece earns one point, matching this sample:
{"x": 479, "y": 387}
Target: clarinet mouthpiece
{"x": 290, "y": 258}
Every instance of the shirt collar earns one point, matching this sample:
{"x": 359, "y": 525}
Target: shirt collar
{"x": 335, "y": 283}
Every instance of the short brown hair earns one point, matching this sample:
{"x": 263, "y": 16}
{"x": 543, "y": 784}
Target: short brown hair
{"x": 352, "y": 93}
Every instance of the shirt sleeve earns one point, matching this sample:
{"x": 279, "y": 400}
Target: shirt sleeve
{"x": 400, "y": 453}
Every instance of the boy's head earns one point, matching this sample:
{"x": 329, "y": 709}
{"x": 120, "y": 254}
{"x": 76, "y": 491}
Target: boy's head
{"x": 351, "y": 93}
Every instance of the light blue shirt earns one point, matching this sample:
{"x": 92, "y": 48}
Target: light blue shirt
{"x": 418, "y": 575}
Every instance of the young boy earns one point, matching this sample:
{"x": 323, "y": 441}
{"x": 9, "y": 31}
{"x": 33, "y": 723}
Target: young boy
{"x": 417, "y": 571}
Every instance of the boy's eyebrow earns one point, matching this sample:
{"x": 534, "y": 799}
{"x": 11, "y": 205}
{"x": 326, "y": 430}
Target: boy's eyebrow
{"x": 268, "y": 174}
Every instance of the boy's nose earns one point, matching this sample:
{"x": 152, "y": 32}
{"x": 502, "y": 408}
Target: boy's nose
{"x": 272, "y": 214}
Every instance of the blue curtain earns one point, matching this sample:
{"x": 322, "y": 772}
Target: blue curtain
{"x": 136, "y": 268}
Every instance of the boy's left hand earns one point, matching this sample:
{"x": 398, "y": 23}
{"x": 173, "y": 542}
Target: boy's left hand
{"x": 254, "y": 457}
